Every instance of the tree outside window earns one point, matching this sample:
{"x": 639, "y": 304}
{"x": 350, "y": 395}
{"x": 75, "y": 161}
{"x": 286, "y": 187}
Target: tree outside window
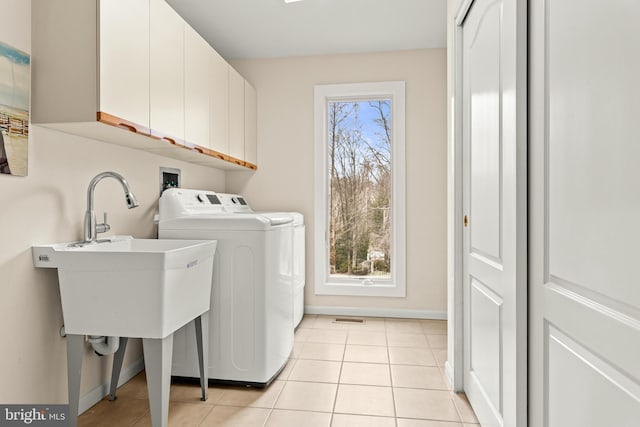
{"x": 359, "y": 163}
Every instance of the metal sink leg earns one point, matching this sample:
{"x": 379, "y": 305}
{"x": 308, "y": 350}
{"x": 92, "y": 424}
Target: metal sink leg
{"x": 117, "y": 367}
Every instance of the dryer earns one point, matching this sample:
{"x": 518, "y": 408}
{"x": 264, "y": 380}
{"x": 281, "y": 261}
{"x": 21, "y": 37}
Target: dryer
{"x": 251, "y": 318}
{"x": 239, "y": 204}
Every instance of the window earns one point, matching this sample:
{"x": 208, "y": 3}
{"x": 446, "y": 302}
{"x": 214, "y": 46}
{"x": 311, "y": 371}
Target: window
{"x": 360, "y": 189}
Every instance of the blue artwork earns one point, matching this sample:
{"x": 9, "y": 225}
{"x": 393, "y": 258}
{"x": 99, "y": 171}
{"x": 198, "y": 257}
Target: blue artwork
{"x": 15, "y": 85}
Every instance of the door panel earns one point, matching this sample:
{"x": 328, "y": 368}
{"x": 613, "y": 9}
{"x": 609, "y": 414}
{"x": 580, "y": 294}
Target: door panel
{"x": 578, "y": 378}
{"x": 593, "y": 108}
{"x": 584, "y": 300}
{"x": 486, "y": 340}
{"x": 484, "y": 114}
{"x": 494, "y": 188}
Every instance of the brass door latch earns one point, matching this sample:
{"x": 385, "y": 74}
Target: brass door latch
{"x": 465, "y": 221}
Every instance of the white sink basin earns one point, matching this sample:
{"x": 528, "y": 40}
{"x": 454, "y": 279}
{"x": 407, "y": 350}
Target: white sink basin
{"x": 128, "y": 287}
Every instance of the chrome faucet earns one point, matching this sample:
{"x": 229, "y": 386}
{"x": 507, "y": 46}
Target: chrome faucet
{"x": 91, "y": 229}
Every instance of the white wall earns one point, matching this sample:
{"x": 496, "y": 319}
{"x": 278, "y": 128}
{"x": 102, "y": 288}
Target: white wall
{"x": 284, "y": 180}
{"x": 48, "y": 206}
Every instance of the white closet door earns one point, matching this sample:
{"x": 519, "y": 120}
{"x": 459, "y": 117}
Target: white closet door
{"x": 584, "y": 213}
{"x": 494, "y": 205}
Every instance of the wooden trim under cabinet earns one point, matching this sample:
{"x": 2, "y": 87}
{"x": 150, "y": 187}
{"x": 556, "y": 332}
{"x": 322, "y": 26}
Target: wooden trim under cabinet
{"x": 218, "y": 155}
{"x": 117, "y": 122}
{"x": 112, "y": 120}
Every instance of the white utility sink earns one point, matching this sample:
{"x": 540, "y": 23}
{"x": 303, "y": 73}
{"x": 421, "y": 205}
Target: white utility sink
{"x": 145, "y": 288}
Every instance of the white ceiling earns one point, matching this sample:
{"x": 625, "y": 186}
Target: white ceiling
{"x": 240, "y": 29}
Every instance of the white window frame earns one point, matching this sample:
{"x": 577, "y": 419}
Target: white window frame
{"x": 396, "y": 286}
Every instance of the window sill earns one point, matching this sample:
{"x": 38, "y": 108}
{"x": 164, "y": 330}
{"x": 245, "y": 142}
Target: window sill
{"x": 358, "y": 289}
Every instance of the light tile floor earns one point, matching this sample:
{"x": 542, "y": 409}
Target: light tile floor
{"x": 383, "y": 373}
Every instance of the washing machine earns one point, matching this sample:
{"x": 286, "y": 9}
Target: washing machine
{"x": 239, "y": 204}
{"x": 251, "y": 318}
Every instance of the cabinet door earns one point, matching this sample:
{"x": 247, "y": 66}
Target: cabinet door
{"x": 219, "y": 104}
{"x": 166, "y": 70}
{"x": 236, "y": 114}
{"x": 197, "y": 87}
{"x": 250, "y": 124}
{"x": 124, "y": 60}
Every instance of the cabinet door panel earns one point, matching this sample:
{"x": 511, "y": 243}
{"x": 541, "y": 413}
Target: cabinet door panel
{"x": 198, "y": 76}
{"x": 219, "y": 104}
{"x": 166, "y": 70}
{"x": 236, "y": 114}
{"x": 124, "y": 60}
{"x": 250, "y": 124}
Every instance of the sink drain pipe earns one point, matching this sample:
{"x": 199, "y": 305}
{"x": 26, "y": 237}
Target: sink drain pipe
{"x": 104, "y": 346}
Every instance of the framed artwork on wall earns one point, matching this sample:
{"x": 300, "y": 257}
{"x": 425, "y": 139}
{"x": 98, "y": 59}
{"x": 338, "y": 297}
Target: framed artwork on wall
{"x": 15, "y": 84}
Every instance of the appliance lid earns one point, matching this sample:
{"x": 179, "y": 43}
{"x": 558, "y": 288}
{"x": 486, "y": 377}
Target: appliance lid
{"x": 278, "y": 219}
{"x": 297, "y": 217}
{"x": 225, "y": 222}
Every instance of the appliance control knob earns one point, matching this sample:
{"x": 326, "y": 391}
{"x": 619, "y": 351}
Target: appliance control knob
{"x": 201, "y": 198}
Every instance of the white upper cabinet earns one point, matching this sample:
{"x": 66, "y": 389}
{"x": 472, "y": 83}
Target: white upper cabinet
{"x": 242, "y": 119}
{"x": 134, "y": 73}
{"x": 219, "y": 104}
{"x": 166, "y": 55}
{"x": 236, "y": 114}
{"x": 198, "y": 69}
{"x": 250, "y": 124}
{"x": 124, "y": 59}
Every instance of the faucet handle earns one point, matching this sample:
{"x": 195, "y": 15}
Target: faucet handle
{"x": 104, "y": 227}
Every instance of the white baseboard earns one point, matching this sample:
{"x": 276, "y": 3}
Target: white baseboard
{"x": 376, "y": 312}
{"x": 96, "y": 395}
{"x": 448, "y": 371}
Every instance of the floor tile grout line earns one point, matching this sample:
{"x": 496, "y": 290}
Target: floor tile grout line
{"x": 363, "y": 415}
{"x": 275, "y": 401}
{"x": 335, "y": 398}
{"x": 266, "y": 420}
{"x": 206, "y": 415}
{"x": 455, "y": 405}
{"x": 303, "y": 410}
{"x": 293, "y": 365}
{"x": 438, "y": 420}
{"x": 393, "y": 395}
{"x": 422, "y": 388}
{"x": 458, "y": 408}
{"x": 433, "y": 354}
